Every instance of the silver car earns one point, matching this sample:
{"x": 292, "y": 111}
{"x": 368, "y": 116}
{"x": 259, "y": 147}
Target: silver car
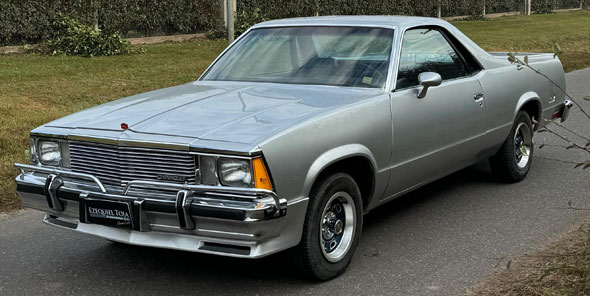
{"x": 296, "y": 131}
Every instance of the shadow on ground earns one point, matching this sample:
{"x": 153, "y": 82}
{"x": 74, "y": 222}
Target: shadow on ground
{"x": 192, "y": 269}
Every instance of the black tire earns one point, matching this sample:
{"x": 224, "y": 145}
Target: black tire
{"x": 310, "y": 258}
{"x": 506, "y": 164}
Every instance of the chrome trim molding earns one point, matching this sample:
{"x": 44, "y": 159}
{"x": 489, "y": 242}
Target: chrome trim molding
{"x": 55, "y": 171}
{"x": 49, "y": 135}
{"x": 332, "y": 24}
{"x": 230, "y": 153}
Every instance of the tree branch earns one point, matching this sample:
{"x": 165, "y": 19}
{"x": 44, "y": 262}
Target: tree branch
{"x": 525, "y": 63}
{"x": 571, "y": 131}
{"x": 573, "y": 145}
{"x": 555, "y": 159}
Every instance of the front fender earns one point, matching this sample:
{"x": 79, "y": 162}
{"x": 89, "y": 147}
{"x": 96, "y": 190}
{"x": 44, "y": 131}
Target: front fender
{"x": 332, "y": 156}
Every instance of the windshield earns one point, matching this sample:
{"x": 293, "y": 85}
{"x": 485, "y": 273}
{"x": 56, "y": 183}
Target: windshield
{"x": 343, "y": 56}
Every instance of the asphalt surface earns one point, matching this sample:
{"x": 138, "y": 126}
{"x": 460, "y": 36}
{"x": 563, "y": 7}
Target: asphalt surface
{"x": 439, "y": 240}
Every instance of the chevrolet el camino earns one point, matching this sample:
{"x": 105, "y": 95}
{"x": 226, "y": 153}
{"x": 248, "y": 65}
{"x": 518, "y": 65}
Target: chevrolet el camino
{"x": 297, "y": 130}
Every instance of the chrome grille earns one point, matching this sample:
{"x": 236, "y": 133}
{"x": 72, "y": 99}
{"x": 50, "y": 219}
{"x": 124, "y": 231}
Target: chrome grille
{"x": 117, "y": 165}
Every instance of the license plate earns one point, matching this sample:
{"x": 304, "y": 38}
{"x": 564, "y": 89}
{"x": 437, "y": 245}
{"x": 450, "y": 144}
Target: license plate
{"x": 110, "y": 213}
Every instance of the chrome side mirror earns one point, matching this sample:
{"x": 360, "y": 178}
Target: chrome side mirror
{"x": 426, "y": 80}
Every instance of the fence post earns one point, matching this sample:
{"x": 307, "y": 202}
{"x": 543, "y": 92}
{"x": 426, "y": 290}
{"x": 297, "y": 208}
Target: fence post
{"x": 438, "y": 9}
{"x": 316, "y": 5}
{"x": 230, "y": 20}
{"x": 222, "y": 23}
{"x": 483, "y": 13}
{"x": 96, "y": 7}
{"x": 528, "y": 11}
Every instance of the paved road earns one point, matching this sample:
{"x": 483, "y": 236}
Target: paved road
{"x": 439, "y": 240}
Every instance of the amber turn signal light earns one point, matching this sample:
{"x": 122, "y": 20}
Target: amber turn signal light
{"x": 261, "y": 177}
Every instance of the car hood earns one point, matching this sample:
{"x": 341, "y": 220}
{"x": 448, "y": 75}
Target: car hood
{"x": 221, "y": 111}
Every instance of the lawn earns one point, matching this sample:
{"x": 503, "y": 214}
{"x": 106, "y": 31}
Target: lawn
{"x": 36, "y": 89}
{"x": 536, "y": 33}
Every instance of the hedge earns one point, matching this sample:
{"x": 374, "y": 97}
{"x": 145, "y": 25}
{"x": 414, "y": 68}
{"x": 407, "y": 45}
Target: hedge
{"x": 28, "y": 21}
{"x": 291, "y": 8}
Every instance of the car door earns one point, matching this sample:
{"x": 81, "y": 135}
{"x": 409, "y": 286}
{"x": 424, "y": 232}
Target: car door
{"x": 442, "y": 132}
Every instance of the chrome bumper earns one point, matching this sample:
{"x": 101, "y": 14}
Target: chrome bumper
{"x": 565, "y": 110}
{"x": 237, "y": 222}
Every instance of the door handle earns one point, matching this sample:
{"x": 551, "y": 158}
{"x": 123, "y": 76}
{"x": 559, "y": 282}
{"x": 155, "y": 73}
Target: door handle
{"x": 478, "y": 97}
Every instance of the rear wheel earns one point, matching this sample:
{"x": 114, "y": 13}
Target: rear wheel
{"x": 332, "y": 228}
{"x": 513, "y": 160}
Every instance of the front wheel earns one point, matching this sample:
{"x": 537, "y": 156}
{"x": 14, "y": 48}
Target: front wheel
{"x": 332, "y": 228}
{"x": 513, "y": 160}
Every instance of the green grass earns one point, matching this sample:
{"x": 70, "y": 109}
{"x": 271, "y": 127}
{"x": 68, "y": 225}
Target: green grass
{"x": 36, "y": 89}
{"x": 536, "y": 33}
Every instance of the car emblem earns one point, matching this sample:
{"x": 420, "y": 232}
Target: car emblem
{"x": 175, "y": 178}
{"x": 124, "y": 126}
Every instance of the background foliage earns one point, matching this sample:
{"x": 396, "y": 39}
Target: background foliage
{"x": 28, "y": 21}
{"x": 288, "y": 8}
{"x": 70, "y": 37}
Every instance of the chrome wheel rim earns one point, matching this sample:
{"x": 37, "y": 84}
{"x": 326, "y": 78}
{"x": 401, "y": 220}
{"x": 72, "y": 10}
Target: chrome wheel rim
{"x": 337, "y": 226}
{"x": 523, "y": 141}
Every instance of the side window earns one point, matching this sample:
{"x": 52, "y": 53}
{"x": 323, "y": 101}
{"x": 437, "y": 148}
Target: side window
{"x": 427, "y": 50}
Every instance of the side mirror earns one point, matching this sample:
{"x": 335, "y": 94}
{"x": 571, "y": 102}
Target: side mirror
{"x": 426, "y": 80}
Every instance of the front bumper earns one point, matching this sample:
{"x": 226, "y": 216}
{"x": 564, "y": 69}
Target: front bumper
{"x": 234, "y": 222}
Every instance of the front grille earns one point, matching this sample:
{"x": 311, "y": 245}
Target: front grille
{"x": 117, "y": 165}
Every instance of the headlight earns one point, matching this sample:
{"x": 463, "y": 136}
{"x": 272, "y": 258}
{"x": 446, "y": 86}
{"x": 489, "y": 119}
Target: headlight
{"x": 235, "y": 172}
{"x": 49, "y": 152}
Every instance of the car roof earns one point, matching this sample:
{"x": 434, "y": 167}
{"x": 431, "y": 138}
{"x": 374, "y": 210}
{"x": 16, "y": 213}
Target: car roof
{"x": 355, "y": 20}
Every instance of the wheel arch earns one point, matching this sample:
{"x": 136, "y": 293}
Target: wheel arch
{"x": 354, "y": 159}
{"x": 531, "y": 104}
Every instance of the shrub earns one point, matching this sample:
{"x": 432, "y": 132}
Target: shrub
{"x": 543, "y": 6}
{"x": 70, "y": 37}
{"x": 246, "y": 19}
